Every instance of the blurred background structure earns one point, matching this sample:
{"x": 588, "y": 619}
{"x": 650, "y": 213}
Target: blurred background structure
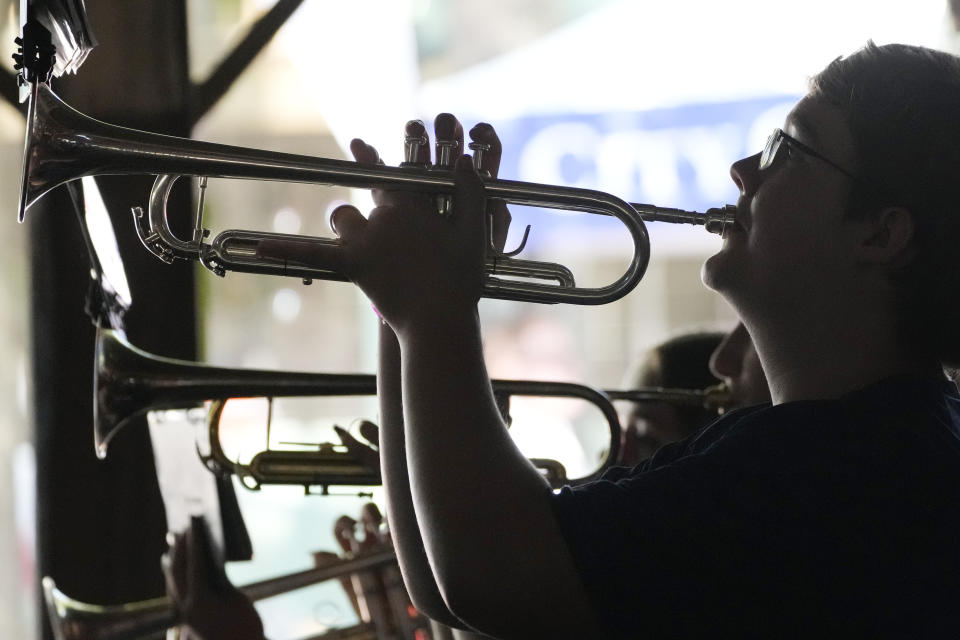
{"x": 650, "y": 101}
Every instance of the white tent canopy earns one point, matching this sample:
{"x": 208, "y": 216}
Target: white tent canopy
{"x": 638, "y": 55}
{"x": 626, "y": 57}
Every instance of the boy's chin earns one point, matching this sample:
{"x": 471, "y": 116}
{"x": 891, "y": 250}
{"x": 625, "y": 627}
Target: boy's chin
{"x": 717, "y": 272}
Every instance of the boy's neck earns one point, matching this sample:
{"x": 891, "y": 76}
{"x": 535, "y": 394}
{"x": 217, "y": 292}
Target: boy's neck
{"x": 828, "y": 360}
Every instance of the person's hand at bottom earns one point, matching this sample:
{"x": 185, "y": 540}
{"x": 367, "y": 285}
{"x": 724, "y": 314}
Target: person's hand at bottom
{"x": 209, "y": 606}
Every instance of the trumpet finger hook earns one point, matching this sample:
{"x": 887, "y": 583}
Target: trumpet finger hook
{"x": 509, "y": 254}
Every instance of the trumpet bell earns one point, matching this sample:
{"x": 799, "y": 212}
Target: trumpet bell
{"x": 27, "y": 169}
{"x": 62, "y": 144}
{"x": 74, "y": 620}
{"x": 128, "y": 382}
{"x": 34, "y": 151}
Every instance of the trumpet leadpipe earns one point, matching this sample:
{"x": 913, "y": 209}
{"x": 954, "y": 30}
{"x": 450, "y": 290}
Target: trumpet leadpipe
{"x": 713, "y": 398}
{"x": 715, "y": 220}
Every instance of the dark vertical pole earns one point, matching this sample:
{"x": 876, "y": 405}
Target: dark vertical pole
{"x": 100, "y": 523}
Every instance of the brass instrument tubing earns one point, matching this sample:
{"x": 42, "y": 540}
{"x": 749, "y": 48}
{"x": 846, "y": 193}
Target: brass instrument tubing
{"x": 62, "y": 144}
{"x": 75, "y": 620}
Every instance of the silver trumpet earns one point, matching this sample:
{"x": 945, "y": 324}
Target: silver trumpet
{"x": 62, "y": 145}
{"x": 129, "y": 382}
{"x": 74, "y": 620}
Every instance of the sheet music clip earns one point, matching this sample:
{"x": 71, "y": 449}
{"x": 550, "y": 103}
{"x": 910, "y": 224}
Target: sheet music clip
{"x": 35, "y": 57}
{"x": 55, "y": 38}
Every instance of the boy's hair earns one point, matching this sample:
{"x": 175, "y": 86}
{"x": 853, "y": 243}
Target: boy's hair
{"x": 902, "y": 104}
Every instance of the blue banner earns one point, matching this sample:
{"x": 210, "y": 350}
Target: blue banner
{"x": 672, "y": 157}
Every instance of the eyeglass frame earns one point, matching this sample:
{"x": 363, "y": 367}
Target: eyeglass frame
{"x": 779, "y": 136}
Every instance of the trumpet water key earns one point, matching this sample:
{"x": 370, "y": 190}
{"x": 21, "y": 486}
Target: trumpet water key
{"x": 63, "y": 145}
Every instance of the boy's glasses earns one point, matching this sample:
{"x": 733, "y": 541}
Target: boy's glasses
{"x": 778, "y": 138}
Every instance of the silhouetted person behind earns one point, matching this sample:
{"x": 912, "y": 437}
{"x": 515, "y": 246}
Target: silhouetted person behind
{"x": 735, "y": 361}
{"x": 682, "y": 362}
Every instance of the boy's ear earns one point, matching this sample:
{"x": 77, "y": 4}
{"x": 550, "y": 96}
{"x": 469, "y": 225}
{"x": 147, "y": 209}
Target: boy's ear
{"x": 886, "y": 237}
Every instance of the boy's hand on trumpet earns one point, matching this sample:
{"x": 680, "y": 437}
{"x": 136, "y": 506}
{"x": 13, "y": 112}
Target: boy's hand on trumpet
{"x": 449, "y": 136}
{"x": 415, "y": 261}
{"x": 447, "y": 273}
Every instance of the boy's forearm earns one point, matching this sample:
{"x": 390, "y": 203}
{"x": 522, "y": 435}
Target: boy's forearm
{"x": 483, "y": 509}
{"x": 405, "y": 531}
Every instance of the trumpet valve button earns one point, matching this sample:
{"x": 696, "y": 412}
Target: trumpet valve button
{"x": 479, "y": 149}
{"x": 445, "y": 152}
{"x": 414, "y": 141}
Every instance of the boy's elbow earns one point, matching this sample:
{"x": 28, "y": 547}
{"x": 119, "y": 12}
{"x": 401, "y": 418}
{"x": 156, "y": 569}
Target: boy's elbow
{"x": 430, "y": 603}
{"x": 469, "y": 598}
{"x": 503, "y": 608}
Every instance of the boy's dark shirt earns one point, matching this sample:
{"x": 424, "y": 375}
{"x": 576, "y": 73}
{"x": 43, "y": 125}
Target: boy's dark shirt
{"x": 835, "y": 516}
